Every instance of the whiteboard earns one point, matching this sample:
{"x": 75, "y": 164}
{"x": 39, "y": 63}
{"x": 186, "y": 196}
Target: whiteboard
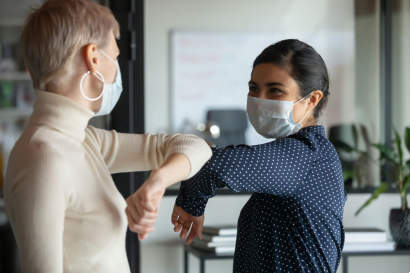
{"x": 211, "y": 70}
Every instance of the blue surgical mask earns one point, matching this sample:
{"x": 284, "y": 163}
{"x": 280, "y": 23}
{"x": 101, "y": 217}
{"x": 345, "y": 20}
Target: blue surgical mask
{"x": 273, "y": 118}
{"x": 111, "y": 92}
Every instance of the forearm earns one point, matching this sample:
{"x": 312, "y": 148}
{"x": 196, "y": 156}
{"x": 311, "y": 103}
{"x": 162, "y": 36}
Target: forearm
{"x": 136, "y": 152}
{"x": 194, "y": 203}
{"x": 175, "y": 168}
{"x": 196, "y": 191}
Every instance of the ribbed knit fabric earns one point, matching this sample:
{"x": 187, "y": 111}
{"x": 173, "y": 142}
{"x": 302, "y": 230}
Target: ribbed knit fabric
{"x": 65, "y": 211}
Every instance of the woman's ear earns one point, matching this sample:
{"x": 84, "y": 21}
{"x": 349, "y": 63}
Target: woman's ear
{"x": 314, "y": 99}
{"x": 90, "y": 57}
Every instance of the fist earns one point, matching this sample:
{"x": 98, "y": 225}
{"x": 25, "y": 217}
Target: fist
{"x": 143, "y": 205}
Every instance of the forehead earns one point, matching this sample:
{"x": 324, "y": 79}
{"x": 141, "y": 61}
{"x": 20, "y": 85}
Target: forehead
{"x": 267, "y": 72}
{"x": 113, "y": 42}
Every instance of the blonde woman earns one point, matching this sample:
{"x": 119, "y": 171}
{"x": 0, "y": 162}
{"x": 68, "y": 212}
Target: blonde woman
{"x": 64, "y": 208}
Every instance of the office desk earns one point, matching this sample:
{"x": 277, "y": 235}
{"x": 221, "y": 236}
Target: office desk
{"x": 204, "y": 255}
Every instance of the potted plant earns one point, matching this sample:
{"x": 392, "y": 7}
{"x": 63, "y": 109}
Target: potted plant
{"x": 354, "y": 161}
{"x": 393, "y": 157}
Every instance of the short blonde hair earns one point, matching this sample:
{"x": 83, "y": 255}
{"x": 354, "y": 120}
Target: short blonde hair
{"x": 55, "y": 32}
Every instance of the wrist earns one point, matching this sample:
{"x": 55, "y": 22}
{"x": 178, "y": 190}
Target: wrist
{"x": 157, "y": 176}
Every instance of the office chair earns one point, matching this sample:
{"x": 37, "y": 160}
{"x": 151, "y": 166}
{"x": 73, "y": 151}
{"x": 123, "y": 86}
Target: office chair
{"x": 232, "y": 126}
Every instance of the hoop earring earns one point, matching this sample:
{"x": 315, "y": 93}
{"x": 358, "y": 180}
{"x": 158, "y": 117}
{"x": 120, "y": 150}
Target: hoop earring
{"x": 101, "y": 79}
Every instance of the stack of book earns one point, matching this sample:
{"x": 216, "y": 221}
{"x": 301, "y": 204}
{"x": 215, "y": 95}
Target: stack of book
{"x": 366, "y": 239}
{"x": 217, "y": 239}
{"x": 222, "y": 240}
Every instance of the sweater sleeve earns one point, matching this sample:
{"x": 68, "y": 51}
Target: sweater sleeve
{"x": 277, "y": 168}
{"x": 38, "y": 199}
{"x": 139, "y": 152}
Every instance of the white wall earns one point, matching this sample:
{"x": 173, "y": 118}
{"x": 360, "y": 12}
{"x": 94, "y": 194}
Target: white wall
{"x": 162, "y": 16}
{"x": 162, "y": 251}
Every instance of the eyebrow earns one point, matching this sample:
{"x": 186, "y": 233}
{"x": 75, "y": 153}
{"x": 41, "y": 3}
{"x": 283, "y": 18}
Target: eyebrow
{"x": 269, "y": 84}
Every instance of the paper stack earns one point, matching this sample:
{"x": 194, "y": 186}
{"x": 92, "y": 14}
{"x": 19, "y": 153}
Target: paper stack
{"x": 217, "y": 239}
{"x": 366, "y": 239}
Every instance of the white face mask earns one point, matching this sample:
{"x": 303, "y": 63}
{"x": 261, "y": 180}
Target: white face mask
{"x": 111, "y": 92}
{"x": 273, "y": 118}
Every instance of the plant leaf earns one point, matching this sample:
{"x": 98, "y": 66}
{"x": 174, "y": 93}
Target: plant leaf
{"x": 407, "y": 137}
{"x": 365, "y": 135}
{"x": 400, "y": 151}
{"x": 339, "y": 144}
{"x": 386, "y": 152}
{"x": 347, "y": 174}
{"x": 407, "y": 164}
{"x": 355, "y": 137}
{"x": 406, "y": 184}
{"x": 381, "y": 189}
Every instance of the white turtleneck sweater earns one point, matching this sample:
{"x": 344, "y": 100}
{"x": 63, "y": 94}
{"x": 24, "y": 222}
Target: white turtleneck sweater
{"x": 65, "y": 211}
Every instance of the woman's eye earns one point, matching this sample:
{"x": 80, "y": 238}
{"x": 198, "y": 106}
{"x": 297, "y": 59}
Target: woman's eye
{"x": 275, "y": 90}
{"x": 253, "y": 88}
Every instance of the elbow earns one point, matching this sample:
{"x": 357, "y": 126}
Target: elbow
{"x": 203, "y": 149}
{"x": 206, "y": 150}
{"x": 198, "y": 153}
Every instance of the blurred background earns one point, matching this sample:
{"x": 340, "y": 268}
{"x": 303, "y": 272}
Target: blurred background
{"x": 185, "y": 67}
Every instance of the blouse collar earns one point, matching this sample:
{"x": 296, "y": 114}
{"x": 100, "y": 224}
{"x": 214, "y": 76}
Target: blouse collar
{"x": 316, "y": 129}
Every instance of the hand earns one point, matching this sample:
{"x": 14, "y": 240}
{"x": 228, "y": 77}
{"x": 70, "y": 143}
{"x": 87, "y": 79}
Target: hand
{"x": 183, "y": 220}
{"x": 142, "y": 206}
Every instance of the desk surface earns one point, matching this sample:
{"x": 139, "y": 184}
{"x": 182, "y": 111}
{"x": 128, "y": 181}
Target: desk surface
{"x": 203, "y": 254}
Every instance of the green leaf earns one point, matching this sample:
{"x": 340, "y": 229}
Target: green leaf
{"x": 407, "y": 164}
{"x": 347, "y": 174}
{"x": 406, "y": 184}
{"x": 339, "y": 144}
{"x": 386, "y": 153}
{"x": 381, "y": 189}
{"x": 398, "y": 143}
{"x": 407, "y": 137}
{"x": 355, "y": 137}
{"x": 365, "y": 135}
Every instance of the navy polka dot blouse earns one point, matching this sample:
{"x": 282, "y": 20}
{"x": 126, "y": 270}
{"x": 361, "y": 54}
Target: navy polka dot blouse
{"x": 293, "y": 221}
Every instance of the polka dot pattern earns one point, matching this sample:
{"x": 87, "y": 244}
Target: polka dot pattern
{"x": 293, "y": 221}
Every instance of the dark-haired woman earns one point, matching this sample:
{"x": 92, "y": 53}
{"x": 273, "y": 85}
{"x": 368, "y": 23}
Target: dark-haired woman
{"x": 293, "y": 221}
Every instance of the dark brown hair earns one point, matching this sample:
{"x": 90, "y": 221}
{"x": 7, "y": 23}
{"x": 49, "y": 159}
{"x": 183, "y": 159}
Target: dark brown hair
{"x": 303, "y": 64}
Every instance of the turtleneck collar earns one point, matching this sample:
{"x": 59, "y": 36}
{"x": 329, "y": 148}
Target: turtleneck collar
{"x": 61, "y": 114}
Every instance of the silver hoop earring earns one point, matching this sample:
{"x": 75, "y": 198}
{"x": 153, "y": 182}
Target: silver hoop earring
{"x": 101, "y": 79}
